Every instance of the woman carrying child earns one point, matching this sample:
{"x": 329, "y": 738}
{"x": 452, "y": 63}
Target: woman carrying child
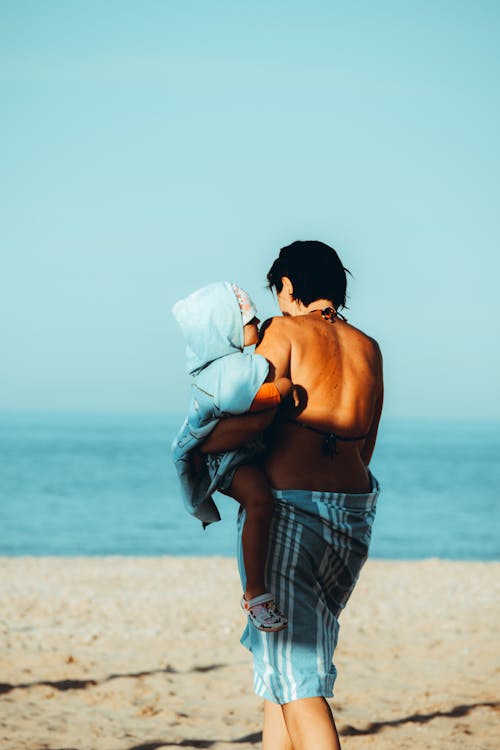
{"x": 324, "y": 493}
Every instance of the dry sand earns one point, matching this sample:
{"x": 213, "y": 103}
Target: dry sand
{"x": 117, "y": 654}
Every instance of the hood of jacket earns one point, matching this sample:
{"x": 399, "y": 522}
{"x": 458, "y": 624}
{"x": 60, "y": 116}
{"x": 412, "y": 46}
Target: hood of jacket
{"x": 211, "y": 322}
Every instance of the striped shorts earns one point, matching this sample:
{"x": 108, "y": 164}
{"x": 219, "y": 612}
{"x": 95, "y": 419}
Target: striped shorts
{"x": 318, "y": 544}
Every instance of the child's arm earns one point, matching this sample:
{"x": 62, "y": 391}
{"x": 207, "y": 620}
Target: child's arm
{"x": 270, "y": 395}
{"x": 231, "y": 432}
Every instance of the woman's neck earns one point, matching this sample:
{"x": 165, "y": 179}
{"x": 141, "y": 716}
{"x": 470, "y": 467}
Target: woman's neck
{"x": 318, "y": 304}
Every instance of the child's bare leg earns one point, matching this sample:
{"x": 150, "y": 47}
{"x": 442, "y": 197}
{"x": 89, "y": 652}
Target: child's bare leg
{"x": 251, "y": 489}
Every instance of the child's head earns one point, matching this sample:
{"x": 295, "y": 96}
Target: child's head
{"x": 216, "y": 320}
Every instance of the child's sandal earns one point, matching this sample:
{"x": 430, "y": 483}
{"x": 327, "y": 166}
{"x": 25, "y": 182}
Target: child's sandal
{"x": 264, "y": 613}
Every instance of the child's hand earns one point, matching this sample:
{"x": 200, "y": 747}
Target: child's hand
{"x": 284, "y": 386}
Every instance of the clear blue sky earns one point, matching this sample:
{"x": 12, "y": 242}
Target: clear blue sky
{"x": 152, "y": 147}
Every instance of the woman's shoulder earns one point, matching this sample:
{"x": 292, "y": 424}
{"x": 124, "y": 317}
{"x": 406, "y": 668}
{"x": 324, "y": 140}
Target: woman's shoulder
{"x": 290, "y": 325}
{"x": 360, "y": 347}
{"x": 275, "y": 324}
{"x": 289, "y": 332}
{"x": 283, "y": 326}
{"x": 365, "y": 339}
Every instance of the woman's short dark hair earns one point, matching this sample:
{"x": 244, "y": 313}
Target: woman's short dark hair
{"x": 315, "y": 271}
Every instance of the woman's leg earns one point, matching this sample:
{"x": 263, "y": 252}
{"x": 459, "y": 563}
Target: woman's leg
{"x": 310, "y": 724}
{"x": 251, "y": 489}
{"x": 275, "y": 734}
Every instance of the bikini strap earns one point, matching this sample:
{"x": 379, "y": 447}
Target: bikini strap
{"x": 329, "y": 446}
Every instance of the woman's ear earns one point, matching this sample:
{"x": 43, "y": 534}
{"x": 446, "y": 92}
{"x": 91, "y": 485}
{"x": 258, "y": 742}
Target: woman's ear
{"x": 287, "y": 286}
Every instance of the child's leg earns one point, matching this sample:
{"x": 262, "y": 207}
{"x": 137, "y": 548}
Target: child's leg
{"x": 251, "y": 489}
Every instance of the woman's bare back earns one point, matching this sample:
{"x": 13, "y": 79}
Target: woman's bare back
{"x": 337, "y": 370}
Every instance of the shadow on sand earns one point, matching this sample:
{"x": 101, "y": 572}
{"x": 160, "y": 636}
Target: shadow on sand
{"x": 253, "y": 739}
{"x": 377, "y": 726}
{"x": 347, "y": 731}
{"x": 7, "y": 687}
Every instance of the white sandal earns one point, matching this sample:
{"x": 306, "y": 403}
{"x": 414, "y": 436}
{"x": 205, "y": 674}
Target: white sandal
{"x": 264, "y": 613}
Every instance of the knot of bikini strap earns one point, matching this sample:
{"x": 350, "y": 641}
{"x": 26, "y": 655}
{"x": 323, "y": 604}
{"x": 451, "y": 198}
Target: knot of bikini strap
{"x": 330, "y": 314}
{"x": 329, "y": 445}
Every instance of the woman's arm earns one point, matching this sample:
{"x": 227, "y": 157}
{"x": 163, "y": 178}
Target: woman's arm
{"x": 369, "y": 444}
{"x": 275, "y": 346}
{"x": 231, "y": 432}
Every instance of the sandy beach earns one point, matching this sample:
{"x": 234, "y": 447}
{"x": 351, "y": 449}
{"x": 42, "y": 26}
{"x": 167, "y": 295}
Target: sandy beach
{"x": 117, "y": 654}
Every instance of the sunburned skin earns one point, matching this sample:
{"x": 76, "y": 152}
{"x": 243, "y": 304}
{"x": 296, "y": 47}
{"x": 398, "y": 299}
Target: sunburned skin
{"x": 337, "y": 372}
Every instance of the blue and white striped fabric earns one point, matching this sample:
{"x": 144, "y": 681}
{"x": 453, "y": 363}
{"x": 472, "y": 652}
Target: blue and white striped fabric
{"x": 318, "y": 544}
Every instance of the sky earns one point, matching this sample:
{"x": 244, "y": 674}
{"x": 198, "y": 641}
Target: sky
{"x": 149, "y": 148}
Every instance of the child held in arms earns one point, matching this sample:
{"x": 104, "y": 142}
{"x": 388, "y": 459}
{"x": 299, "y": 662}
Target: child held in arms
{"x": 217, "y": 322}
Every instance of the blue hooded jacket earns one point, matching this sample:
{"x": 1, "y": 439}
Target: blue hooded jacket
{"x": 225, "y": 382}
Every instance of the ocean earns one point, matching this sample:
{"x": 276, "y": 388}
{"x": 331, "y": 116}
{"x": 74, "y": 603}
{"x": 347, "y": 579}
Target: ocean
{"x": 105, "y": 485}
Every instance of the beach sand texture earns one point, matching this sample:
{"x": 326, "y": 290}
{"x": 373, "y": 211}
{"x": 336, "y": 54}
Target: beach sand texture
{"x": 143, "y": 653}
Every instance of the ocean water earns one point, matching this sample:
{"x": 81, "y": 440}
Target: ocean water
{"x": 105, "y": 485}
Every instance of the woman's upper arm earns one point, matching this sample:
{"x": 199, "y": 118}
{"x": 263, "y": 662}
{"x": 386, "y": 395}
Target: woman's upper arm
{"x": 231, "y": 432}
{"x": 275, "y": 346}
{"x": 369, "y": 444}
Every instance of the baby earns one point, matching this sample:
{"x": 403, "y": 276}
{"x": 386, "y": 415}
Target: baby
{"x": 218, "y": 321}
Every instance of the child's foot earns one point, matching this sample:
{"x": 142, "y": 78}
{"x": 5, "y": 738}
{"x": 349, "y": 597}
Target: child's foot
{"x": 264, "y": 613}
